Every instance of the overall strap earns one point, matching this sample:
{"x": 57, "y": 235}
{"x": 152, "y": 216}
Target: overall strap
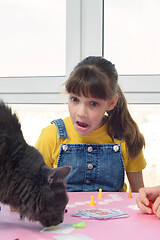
{"x": 61, "y": 128}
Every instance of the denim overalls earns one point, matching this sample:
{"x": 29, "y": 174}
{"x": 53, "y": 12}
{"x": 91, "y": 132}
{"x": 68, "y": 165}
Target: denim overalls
{"x": 94, "y": 166}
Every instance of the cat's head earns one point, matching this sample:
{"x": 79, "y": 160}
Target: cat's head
{"x": 53, "y": 198}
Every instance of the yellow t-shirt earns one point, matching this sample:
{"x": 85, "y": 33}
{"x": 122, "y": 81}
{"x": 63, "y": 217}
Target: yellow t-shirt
{"x": 49, "y": 145}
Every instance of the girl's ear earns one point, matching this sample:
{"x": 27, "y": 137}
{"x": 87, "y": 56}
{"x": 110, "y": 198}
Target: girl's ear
{"x": 112, "y": 103}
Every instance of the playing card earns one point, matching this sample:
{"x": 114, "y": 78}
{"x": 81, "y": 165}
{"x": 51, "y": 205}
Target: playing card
{"x": 98, "y": 213}
{"x": 62, "y": 228}
{"x": 73, "y": 237}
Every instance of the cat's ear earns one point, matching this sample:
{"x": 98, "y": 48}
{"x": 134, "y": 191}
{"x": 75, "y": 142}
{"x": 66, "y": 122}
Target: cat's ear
{"x": 59, "y": 174}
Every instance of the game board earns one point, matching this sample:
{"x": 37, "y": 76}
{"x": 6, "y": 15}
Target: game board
{"x": 136, "y": 225}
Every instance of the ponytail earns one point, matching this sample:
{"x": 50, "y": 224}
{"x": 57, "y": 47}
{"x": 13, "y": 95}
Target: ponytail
{"x": 122, "y": 124}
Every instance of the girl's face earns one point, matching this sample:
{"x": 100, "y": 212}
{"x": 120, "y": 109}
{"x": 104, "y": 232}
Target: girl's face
{"x": 87, "y": 113}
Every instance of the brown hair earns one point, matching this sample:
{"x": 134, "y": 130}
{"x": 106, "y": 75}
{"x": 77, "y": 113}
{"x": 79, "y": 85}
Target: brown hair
{"x": 98, "y": 77}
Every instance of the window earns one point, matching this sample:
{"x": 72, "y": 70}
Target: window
{"x": 125, "y": 32}
{"x": 40, "y": 44}
{"x": 131, "y": 41}
{"x": 33, "y": 37}
{"x": 132, "y": 35}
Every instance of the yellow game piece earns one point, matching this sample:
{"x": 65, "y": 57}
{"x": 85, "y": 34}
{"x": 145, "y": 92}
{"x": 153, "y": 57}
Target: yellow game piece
{"x": 92, "y": 202}
{"x": 79, "y": 225}
{"x": 100, "y": 195}
{"x": 130, "y": 194}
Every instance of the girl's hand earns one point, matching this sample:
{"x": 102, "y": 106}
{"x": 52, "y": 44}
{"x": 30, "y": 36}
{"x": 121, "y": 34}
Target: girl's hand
{"x": 146, "y": 194}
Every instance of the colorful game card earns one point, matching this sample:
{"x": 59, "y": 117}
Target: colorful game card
{"x": 98, "y": 213}
{"x": 62, "y": 228}
{"x": 73, "y": 237}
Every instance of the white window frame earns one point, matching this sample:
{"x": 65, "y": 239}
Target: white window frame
{"x": 84, "y": 37}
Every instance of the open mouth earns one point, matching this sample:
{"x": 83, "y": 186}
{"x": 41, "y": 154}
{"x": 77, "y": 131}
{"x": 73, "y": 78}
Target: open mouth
{"x": 81, "y": 124}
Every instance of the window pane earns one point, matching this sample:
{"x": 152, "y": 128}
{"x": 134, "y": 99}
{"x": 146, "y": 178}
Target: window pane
{"x": 33, "y": 37}
{"x": 132, "y": 35}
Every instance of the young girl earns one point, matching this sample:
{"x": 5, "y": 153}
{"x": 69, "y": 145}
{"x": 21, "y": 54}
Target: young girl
{"x": 100, "y": 140}
{"x": 152, "y": 194}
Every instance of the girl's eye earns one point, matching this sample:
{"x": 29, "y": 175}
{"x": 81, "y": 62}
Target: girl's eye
{"x": 94, "y": 104}
{"x": 74, "y": 99}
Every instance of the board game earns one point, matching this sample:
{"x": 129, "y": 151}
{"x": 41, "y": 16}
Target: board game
{"x": 87, "y": 217}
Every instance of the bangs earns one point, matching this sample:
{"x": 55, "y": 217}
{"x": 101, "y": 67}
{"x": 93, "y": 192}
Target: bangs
{"x": 90, "y": 82}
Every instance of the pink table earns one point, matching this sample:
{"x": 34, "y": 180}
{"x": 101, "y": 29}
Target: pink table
{"x": 137, "y": 226}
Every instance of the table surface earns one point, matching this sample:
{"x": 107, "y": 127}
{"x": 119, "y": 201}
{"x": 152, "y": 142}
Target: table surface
{"x": 137, "y": 225}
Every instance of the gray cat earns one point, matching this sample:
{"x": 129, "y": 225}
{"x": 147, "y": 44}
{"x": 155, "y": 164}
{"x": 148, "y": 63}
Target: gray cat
{"x": 36, "y": 191}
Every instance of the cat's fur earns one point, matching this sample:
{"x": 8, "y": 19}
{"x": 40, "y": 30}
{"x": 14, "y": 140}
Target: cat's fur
{"x": 36, "y": 191}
